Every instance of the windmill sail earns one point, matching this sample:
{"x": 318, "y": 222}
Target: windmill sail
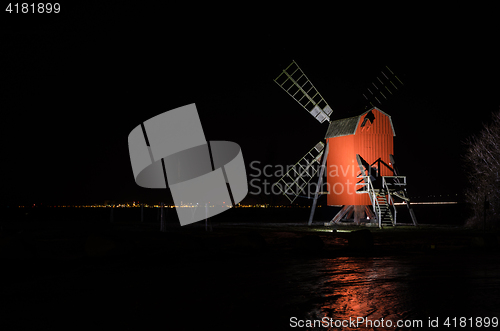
{"x": 295, "y": 180}
{"x": 299, "y": 87}
{"x": 382, "y": 87}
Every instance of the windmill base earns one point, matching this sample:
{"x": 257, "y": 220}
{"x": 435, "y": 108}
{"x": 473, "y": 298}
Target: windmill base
{"x": 354, "y": 215}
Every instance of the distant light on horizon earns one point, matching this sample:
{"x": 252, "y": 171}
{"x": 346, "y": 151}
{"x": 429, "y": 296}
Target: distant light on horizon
{"x": 428, "y": 203}
{"x": 239, "y": 205}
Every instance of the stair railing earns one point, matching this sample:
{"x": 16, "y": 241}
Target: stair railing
{"x": 390, "y": 201}
{"x": 373, "y": 197}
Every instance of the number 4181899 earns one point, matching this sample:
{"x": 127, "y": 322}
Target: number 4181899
{"x": 34, "y": 8}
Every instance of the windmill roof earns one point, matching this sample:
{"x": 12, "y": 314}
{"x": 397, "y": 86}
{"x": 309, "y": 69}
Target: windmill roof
{"x": 343, "y": 127}
{"x": 348, "y": 126}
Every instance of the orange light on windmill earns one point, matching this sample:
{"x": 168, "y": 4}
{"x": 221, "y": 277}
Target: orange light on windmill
{"x": 346, "y": 138}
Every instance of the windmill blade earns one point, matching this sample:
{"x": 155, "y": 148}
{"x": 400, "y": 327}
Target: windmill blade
{"x": 386, "y": 82}
{"x": 299, "y": 87}
{"x": 297, "y": 177}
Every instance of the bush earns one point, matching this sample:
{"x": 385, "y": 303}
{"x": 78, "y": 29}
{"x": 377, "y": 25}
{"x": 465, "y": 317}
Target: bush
{"x": 482, "y": 165}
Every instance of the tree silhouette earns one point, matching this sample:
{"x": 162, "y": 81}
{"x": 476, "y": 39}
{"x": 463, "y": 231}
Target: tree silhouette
{"x": 482, "y": 165}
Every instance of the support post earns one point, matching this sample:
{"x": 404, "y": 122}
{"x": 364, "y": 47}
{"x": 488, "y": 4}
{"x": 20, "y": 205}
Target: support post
{"x": 320, "y": 184}
{"x": 162, "y": 225}
{"x": 142, "y": 212}
{"x": 206, "y": 218}
{"x": 359, "y": 212}
{"x": 379, "y": 216}
{"x": 369, "y": 213}
{"x": 111, "y": 214}
{"x": 345, "y": 209}
{"x": 412, "y": 214}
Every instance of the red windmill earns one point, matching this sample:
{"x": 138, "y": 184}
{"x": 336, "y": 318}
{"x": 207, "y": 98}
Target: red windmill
{"x": 360, "y": 171}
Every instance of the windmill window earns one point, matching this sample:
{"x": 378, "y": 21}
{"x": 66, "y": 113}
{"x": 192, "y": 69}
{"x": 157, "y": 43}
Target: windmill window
{"x": 369, "y": 117}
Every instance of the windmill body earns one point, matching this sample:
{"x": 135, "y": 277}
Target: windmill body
{"x": 369, "y": 135}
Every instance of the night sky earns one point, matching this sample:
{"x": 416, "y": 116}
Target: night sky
{"x": 73, "y": 86}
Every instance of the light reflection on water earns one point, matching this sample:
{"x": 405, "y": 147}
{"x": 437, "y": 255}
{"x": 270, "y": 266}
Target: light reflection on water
{"x": 372, "y": 288}
{"x": 364, "y": 288}
{"x": 397, "y": 288}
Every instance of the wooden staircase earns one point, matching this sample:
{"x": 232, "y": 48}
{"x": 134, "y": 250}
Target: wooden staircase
{"x": 382, "y": 208}
{"x": 381, "y": 194}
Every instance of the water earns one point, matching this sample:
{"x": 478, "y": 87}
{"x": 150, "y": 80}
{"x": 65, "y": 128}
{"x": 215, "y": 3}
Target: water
{"x": 413, "y": 290}
{"x": 206, "y": 286}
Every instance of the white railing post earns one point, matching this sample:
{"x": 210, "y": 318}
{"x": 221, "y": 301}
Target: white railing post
{"x": 390, "y": 201}
{"x": 373, "y": 197}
